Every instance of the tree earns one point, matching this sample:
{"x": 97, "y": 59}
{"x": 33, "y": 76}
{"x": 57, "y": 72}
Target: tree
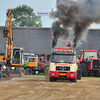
{"x": 24, "y": 16}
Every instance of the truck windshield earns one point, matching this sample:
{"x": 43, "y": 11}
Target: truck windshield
{"x": 31, "y": 59}
{"x": 63, "y": 58}
{"x": 27, "y": 56}
{"x": 16, "y": 56}
{"x": 90, "y": 54}
{"x": 42, "y": 59}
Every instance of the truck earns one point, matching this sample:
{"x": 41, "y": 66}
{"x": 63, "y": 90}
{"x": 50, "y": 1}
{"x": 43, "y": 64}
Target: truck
{"x": 63, "y": 65}
{"x": 42, "y": 60}
{"x": 14, "y": 56}
{"x": 37, "y": 67}
{"x": 27, "y": 55}
{"x": 31, "y": 66}
{"x": 90, "y": 62}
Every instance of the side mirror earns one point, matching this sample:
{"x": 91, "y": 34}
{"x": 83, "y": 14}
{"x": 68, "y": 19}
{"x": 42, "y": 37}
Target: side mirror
{"x": 98, "y": 53}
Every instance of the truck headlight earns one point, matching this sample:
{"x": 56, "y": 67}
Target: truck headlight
{"x": 76, "y": 65}
{"x": 72, "y": 74}
{"x": 53, "y": 74}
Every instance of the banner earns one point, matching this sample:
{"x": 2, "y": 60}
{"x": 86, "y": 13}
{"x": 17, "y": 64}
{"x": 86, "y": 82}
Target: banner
{"x": 44, "y": 11}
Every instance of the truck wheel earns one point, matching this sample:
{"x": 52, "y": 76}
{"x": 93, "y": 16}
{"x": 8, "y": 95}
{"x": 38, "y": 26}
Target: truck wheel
{"x": 79, "y": 74}
{"x": 44, "y": 71}
{"x": 28, "y": 71}
{"x": 84, "y": 69}
{"x": 52, "y": 79}
{"x": 79, "y": 70}
{"x": 90, "y": 74}
{"x": 79, "y": 66}
{"x": 73, "y": 80}
{"x": 97, "y": 74}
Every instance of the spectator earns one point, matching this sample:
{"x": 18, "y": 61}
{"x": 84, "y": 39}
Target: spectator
{"x": 71, "y": 58}
{"x": 0, "y": 69}
{"x": 56, "y": 59}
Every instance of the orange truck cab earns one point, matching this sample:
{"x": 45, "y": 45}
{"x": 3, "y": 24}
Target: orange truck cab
{"x": 31, "y": 66}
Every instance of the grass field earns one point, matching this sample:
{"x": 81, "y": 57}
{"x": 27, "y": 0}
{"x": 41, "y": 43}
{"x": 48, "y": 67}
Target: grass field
{"x": 40, "y": 75}
{"x": 92, "y": 77}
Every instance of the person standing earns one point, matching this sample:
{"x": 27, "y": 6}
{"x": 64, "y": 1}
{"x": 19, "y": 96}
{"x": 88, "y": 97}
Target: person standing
{"x": 71, "y": 58}
{"x": 0, "y": 70}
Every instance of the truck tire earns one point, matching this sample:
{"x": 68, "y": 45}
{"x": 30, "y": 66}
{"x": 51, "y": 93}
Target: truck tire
{"x": 79, "y": 66}
{"x": 90, "y": 74}
{"x": 28, "y": 71}
{"x": 73, "y": 80}
{"x": 44, "y": 71}
{"x": 52, "y": 79}
{"x": 79, "y": 72}
{"x": 97, "y": 74}
{"x": 84, "y": 69}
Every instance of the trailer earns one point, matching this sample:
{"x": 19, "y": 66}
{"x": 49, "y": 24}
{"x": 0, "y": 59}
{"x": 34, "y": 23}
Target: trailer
{"x": 42, "y": 60}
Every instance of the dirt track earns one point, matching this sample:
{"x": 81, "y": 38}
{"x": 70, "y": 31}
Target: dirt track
{"x": 31, "y": 88}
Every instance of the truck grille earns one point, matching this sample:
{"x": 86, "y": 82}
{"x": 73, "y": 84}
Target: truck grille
{"x": 96, "y": 64}
{"x": 62, "y": 68}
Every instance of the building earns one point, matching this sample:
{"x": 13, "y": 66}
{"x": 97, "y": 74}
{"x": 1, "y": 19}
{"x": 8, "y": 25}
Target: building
{"x": 33, "y": 40}
{"x": 38, "y": 40}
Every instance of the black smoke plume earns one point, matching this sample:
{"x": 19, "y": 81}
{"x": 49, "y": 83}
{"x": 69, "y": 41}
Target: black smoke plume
{"x": 75, "y": 14}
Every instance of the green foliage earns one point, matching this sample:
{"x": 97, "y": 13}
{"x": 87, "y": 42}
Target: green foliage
{"x": 24, "y": 16}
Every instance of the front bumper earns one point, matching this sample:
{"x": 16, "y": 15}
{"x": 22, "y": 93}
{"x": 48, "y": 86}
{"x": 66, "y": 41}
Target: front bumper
{"x": 41, "y": 69}
{"x": 38, "y": 69}
{"x": 63, "y": 75}
{"x": 35, "y": 68}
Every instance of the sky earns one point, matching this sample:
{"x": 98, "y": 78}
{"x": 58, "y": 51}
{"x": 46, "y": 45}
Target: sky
{"x": 46, "y": 21}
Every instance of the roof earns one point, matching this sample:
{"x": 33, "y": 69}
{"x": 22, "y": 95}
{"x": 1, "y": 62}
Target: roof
{"x": 38, "y": 40}
{"x": 33, "y": 40}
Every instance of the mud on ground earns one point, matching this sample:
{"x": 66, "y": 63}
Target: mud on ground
{"x": 37, "y": 88}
